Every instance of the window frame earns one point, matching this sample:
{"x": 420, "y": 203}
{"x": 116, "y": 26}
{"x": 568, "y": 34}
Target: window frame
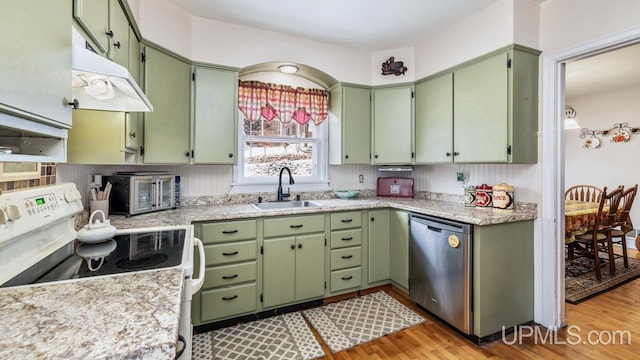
{"x": 242, "y": 184}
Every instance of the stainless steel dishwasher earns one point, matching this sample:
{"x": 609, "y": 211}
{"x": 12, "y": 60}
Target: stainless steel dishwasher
{"x": 440, "y": 269}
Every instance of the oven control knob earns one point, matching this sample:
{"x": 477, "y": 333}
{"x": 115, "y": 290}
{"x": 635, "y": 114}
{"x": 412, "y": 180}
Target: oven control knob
{"x": 72, "y": 196}
{"x": 13, "y": 212}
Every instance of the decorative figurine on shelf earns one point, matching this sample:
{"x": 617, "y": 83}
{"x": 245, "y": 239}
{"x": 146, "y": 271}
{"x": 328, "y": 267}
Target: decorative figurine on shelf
{"x": 393, "y": 67}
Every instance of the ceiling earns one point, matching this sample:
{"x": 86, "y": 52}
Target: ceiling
{"x": 604, "y": 72}
{"x": 363, "y": 24}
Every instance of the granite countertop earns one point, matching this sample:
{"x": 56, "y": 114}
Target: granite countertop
{"x": 130, "y": 316}
{"x": 439, "y": 208}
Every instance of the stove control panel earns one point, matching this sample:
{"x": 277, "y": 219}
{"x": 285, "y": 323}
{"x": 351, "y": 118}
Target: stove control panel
{"x": 25, "y": 210}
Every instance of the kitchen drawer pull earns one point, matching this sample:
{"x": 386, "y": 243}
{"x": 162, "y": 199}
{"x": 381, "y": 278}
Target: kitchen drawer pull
{"x": 229, "y": 277}
{"x": 296, "y": 226}
{"x": 347, "y": 277}
{"x": 347, "y": 220}
{"x": 229, "y": 231}
{"x": 230, "y": 253}
{"x": 348, "y": 238}
{"x": 347, "y": 256}
{"x": 228, "y": 298}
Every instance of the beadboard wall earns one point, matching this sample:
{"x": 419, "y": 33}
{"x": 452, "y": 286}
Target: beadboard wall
{"x": 211, "y": 180}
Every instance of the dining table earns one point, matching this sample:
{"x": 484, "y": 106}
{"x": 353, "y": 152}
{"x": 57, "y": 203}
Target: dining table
{"x": 579, "y": 218}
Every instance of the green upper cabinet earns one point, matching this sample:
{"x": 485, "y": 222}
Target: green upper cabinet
{"x": 35, "y": 71}
{"x": 119, "y": 34}
{"x": 393, "y": 125}
{"x": 133, "y": 125}
{"x": 93, "y": 16}
{"x": 434, "y": 120}
{"x": 166, "y": 128}
{"x": 103, "y": 132}
{"x": 215, "y": 123}
{"x": 349, "y": 124}
{"x": 495, "y": 108}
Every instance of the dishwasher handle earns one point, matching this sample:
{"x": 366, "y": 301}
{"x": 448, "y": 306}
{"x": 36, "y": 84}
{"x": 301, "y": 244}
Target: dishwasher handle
{"x": 439, "y": 225}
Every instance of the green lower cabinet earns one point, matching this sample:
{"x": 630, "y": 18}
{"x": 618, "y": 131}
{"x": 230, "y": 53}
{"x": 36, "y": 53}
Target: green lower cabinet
{"x": 228, "y": 301}
{"x": 346, "y": 279}
{"x": 399, "y": 248}
{"x": 378, "y": 247}
{"x": 293, "y": 269}
{"x": 502, "y": 276}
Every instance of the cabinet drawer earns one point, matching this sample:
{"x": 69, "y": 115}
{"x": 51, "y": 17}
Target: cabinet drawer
{"x": 229, "y": 231}
{"x": 225, "y": 302}
{"x": 346, "y": 258}
{"x": 345, "y": 238}
{"x": 229, "y": 253}
{"x": 345, "y": 279}
{"x": 346, "y": 220}
{"x": 293, "y": 225}
{"x": 229, "y": 274}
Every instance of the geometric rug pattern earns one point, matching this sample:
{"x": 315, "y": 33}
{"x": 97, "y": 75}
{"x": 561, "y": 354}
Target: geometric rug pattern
{"x": 351, "y": 322}
{"x": 283, "y": 337}
{"x": 581, "y": 283}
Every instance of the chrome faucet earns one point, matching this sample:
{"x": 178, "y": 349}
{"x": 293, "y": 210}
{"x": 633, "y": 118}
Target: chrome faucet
{"x": 281, "y": 194}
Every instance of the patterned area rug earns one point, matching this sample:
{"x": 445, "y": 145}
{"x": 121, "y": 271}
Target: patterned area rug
{"x": 280, "y": 337}
{"x": 351, "y": 322}
{"x": 581, "y": 283}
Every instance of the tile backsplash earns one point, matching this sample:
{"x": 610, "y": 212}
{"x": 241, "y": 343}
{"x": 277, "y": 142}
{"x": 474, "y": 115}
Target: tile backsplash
{"x": 47, "y": 176}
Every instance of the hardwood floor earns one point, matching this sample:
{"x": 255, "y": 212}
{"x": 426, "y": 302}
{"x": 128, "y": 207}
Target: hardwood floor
{"x": 593, "y": 326}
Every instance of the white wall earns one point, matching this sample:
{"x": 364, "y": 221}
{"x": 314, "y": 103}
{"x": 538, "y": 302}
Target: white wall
{"x": 612, "y": 164}
{"x": 567, "y": 23}
{"x": 165, "y": 24}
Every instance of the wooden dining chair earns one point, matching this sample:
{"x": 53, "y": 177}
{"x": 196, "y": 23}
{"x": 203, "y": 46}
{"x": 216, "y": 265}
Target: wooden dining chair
{"x": 588, "y": 193}
{"x": 599, "y": 238}
{"x": 623, "y": 223}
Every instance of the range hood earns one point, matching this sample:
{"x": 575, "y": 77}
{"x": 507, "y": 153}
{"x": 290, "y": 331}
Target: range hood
{"x": 101, "y": 84}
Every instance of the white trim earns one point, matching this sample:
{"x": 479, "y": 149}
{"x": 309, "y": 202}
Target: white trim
{"x": 549, "y": 251}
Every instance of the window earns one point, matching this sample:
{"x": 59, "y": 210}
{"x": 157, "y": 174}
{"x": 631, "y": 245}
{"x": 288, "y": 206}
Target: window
{"x": 267, "y": 144}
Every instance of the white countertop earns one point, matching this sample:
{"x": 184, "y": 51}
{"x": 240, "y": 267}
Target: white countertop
{"x": 136, "y": 315}
{"x": 444, "y": 209}
{"x": 129, "y": 316}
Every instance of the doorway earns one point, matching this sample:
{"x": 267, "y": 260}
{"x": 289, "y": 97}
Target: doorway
{"x": 549, "y": 255}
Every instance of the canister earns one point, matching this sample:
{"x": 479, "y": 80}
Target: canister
{"x": 484, "y": 196}
{"x": 470, "y": 196}
{"x": 503, "y": 197}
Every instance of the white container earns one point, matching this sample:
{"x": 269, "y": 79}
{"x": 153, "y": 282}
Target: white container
{"x": 503, "y": 198}
{"x": 102, "y": 205}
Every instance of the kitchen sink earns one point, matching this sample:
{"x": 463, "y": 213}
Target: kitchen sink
{"x": 283, "y": 205}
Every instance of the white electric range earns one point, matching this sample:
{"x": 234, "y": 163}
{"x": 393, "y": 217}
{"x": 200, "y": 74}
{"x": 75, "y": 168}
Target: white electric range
{"x": 38, "y": 245}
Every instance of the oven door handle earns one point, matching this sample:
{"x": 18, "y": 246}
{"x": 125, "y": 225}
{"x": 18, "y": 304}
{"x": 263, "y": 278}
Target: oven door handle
{"x": 197, "y": 283}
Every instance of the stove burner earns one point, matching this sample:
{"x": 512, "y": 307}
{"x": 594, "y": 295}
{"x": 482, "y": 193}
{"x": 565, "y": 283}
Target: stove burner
{"x": 142, "y": 263}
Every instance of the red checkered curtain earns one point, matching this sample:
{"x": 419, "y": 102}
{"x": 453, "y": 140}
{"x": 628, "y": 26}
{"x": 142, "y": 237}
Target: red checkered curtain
{"x": 252, "y": 99}
{"x": 258, "y": 100}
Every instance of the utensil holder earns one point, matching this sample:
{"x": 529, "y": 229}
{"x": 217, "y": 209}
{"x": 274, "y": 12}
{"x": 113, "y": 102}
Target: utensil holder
{"x": 100, "y": 205}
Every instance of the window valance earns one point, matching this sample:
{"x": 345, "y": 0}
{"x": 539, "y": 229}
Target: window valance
{"x": 259, "y": 100}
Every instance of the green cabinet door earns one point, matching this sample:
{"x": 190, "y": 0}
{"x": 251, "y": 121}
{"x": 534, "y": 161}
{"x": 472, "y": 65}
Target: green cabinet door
{"x": 93, "y": 16}
{"x": 35, "y": 70}
{"x": 119, "y": 42}
{"x": 503, "y": 276}
{"x": 309, "y": 266}
{"x": 133, "y": 123}
{"x": 349, "y": 125}
{"x": 434, "y": 120}
{"x": 279, "y": 262}
{"x": 166, "y": 128}
{"x": 399, "y": 248}
{"x": 480, "y": 111}
{"x": 393, "y": 125}
{"x": 378, "y": 246}
{"x": 215, "y": 125}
